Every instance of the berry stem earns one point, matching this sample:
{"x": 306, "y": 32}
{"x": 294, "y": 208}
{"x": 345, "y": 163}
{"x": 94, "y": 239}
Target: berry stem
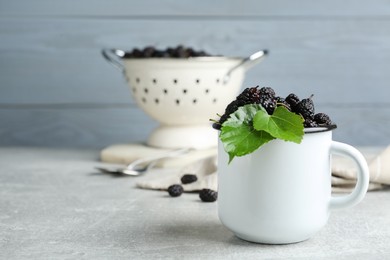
{"x": 284, "y": 105}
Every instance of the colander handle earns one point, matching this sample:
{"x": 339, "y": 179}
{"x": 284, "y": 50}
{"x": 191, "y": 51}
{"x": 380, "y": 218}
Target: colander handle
{"x": 247, "y": 63}
{"x": 113, "y": 56}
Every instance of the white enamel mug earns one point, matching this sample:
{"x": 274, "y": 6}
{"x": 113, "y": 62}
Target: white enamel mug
{"x": 281, "y": 193}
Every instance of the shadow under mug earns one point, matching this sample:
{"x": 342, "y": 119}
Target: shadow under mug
{"x": 281, "y": 193}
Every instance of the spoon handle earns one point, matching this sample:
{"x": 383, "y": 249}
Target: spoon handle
{"x": 246, "y": 63}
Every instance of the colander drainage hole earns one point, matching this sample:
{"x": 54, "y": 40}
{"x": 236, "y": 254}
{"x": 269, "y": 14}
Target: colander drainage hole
{"x": 184, "y": 91}
{"x": 156, "y": 101}
{"x": 177, "y": 102}
{"x": 197, "y": 81}
{"x": 137, "y": 80}
{"x": 194, "y": 101}
{"x": 175, "y": 81}
{"x": 214, "y": 100}
{"x": 146, "y": 90}
{"x": 154, "y": 81}
{"x": 207, "y": 91}
{"x": 165, "y": 91}
{"x": 217, "y": 80}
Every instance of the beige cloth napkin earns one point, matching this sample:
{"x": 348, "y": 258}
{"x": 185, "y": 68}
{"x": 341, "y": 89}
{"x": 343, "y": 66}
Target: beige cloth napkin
{"x": 205, "y": 169}
{"x": 343, "y": 173}
{"x": 128, "y": 153}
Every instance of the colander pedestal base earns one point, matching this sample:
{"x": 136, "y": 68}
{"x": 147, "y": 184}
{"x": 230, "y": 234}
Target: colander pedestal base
{"x": 194, "y": 136}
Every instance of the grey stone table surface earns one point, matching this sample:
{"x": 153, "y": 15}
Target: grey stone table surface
{"x": 54, "y": 205}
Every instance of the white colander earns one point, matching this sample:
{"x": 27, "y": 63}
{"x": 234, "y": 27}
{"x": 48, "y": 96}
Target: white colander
{"x": 183, "y": 94}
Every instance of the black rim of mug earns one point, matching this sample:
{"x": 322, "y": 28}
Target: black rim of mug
{"x": 320, "y": 129}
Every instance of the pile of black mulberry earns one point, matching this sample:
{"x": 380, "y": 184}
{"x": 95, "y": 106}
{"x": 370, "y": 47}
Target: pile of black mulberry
{"x": 267, "y": 98}
{"x": 178, "y": 52}
{"x": 206, "y": 195}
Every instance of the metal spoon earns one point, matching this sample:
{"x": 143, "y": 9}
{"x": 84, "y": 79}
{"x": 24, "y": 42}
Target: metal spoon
{"x": 142, "y": 165}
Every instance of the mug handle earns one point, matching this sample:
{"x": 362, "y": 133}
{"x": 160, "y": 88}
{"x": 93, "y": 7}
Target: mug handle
{"x": 363, "y": 177}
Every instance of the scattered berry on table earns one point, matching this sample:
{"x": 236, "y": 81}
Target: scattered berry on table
{"x": 188, "y": 178}
{"x": 175, "y": 190}
{"x": 208, "y": 195}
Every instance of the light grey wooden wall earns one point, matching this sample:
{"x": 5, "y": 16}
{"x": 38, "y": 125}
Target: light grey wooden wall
{"x": 56, "y": 89}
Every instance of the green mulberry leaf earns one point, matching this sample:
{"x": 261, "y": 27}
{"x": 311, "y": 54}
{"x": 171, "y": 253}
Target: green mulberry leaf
{"x": 282, "y": 124}
{"x": 238, "y": 135}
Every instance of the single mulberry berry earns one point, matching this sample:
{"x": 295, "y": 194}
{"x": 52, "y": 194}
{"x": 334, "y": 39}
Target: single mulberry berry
{"x": 305, "y": 107}
{"x": 250, "y": 95}
{"x": 292, "y": 100}
{"x": 180, "y": 52}
{"x": 175, "y": 190}
{"x": 208, "y": 195}
{"x": 188, "y": 178}
{"x": 136, "y": 53}
{"x": 268, "y": 99}
{"x": 234, "y": 105}
{"x": 322, "y": 119}
{"x": 267, "y": 91}
{"x": 268, "y": 103}
{"x": 310, "y": 123}
{"x": 217, "y": 125}
{"x": 148, "y": 52}
{"x": 231, "y": 108}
